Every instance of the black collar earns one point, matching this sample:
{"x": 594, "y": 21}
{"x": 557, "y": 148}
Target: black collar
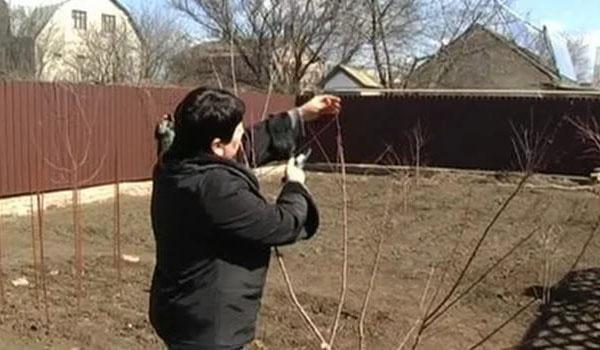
{"x": 206, "y": 161}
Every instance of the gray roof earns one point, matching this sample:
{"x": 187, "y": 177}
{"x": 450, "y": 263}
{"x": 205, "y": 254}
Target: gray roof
{"x": 358, "y": 75}
{"x": 546, "y": 66}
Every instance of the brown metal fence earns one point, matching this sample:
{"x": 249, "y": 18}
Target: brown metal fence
{"x": 461, "y": 131}
{"x": 55, "y": 136}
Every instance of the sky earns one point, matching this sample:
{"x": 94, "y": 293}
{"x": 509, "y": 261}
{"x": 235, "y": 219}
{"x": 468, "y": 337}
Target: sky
{"x": 581, "y": 17}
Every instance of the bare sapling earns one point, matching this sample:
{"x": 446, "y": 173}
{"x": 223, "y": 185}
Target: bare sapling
{"x": 451, "y": 297}
{"x": 305, "y": 317}
{"x": 531, "y": 144}
{"x": 589, "y": 132}
{"x": 232, "y": 59}
{"x": 417, "y": 139}
{"x": 34, "y": 245}
{"x": 76, "y": 122}
{"x": 530, "y": 147}
{"x": 384, "y": 228}
{"x": 40, "y": 234}
{"x": 39, "y": 251}
{"x": 323, "y": 342}
{"x": 344, "y": 272}
{"x": 117, "y": 219}
{"x": 418, "y": 324}
{"x": 549, "y": 243}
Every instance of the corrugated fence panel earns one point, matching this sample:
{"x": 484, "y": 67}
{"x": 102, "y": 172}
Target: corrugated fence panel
{"x": 8, "y": 146}
{"x": 469, "y": 132}
{"x": 3, "y": 139}
{"x": 54, "y": 136}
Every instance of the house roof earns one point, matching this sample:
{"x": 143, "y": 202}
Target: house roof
{"x": 523, "y": 52}
{"x": 552, "y": 72}
{"x": 42, "y": 15}
{"x": 360, "y": 76}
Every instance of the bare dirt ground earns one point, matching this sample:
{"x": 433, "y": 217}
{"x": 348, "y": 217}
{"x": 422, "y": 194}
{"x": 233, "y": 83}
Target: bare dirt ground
{"x": 426, "y": 222}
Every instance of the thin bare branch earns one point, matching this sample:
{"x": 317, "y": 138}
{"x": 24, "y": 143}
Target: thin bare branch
{"x": 477, "y": 281}
{"x": 214, "y": 69}
{"x": 34, "y": 249}
{"x": 585, "y": 246}
{"x": 475, "y": 250}
{"x": 117, "y": 218}
{"x": 415, "y": 326}
{"x": 40, "y": 219}
{"x": 299, "y": 306}
{"x": 422, "y": 313}
{"x": 502, "y": 325}
{"x": 343, "y": 288}
{"x": 233, "y": 74}
{"x": 452, "y": 255}
{"x": 383, "y": 229}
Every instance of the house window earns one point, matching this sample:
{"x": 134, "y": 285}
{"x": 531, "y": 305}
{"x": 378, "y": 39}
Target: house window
{"x": 79, "y": 19}
{"x": 109, "y": 23}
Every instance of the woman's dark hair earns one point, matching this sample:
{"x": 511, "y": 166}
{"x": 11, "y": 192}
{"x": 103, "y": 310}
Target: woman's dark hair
{"x": 203, "y": 115}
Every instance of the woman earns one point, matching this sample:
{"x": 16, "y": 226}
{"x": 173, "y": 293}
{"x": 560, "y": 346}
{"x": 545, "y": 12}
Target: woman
{"x": 213, "y": 228}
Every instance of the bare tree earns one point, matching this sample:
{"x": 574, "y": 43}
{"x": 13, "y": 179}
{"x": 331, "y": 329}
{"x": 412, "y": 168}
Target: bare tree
{"x": 531, "y": 144}
{"x": 105, "y": 55}
{"x": 443, "y": 21}
{"x": 281, "y": 37}
{"x": 391, "y": 29}
{"x": 74, "y": 156}
{"x": 162, "y": 40}
{"x": 578, "y": 50}
{"x": 397, "y": 35}
{"x": 288, "y": 38}
{"x": 34, "y": 24}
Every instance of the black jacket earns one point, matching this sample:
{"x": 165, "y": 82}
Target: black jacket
{"x": 213, "y": 232}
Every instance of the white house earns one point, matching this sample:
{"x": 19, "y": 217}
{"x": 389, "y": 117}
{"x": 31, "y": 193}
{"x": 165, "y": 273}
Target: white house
{"x": 343, "y": 78}
{"x": 83, "y": 40}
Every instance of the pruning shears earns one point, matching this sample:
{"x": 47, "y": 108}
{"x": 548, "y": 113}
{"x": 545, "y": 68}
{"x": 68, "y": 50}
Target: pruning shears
{"x": 300, "y": 160}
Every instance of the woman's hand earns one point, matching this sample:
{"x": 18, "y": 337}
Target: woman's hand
{"x": 320, "y": 105}
{"x": 294, "y": 173}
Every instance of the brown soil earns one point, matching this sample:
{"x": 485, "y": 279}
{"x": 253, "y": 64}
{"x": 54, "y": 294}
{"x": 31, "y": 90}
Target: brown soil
{"x": 440, "y": 213}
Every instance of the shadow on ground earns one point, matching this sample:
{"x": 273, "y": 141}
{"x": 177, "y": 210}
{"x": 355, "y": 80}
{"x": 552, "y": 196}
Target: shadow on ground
{"x": 570, "y": 318}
